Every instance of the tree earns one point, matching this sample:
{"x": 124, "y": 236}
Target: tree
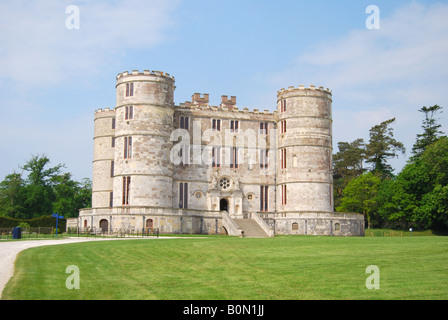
{"x": 38, "y": 191}
{"x": 347, "y": 164}
{"x": 431, "y": 132}
{"x": 382, "y": 146}
{"x": 360, "y": 195}
{"x": 12, "y": 196}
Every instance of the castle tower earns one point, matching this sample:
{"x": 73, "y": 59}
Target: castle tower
{"x": 144, "y": 122}
{"x": 304, "y": 123}
{"x": 103, "y": 157}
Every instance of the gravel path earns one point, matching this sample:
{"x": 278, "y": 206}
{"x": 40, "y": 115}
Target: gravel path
{"x": 10, "y": 249}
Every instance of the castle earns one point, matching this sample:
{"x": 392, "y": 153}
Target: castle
{"x": 203, "y": 169}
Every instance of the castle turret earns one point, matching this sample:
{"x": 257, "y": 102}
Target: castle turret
{"x": 103, "y": 158}
{"x": 304, "y": 122}
{"x": 144, "y": 122}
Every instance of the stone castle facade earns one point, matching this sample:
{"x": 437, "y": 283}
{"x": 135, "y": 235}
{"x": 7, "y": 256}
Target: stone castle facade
{"x": 204, "y": 169}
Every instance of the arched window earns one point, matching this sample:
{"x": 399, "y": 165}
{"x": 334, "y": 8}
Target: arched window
{"x": 295, "y": 226}
{"x": 337, "y": 227}
{"x": 149, "y": 223}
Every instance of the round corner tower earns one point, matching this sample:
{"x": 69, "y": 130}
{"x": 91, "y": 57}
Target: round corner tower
{"x": 304, "y": 122}
{"x": 144, "y": 121}
{"x": 103, "y": 157}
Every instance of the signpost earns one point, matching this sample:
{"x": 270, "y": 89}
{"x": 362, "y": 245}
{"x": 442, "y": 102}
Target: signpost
{"x": 57, "y": 216}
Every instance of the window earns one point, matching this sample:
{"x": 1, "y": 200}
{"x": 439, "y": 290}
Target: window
{"x": 234, "y": 124}
{"x": 283, "y": 126}
{"x": 295, "y": 226}
{"x": 284, "y": 194}
{"x": 216, "y": 157}
{"x": 264, "y": 198}
{"x": 264, "y": 128}
{"x": 198, "y": 194}
{"x": 283, "y": 158}
{"x": 184, "y": 154}
{"x": 183, "y": 195}
{"x": 283, "y": 106}
{"x": 113, "y": 123}
{"x": 263, "y": 158}
{"x": 129, "y": 113}
{"x": 250, "y": 196}
{"x": 127, "y": 147}
{"x": 337, "y": 227}
{"x": 113, "y": 142}
{"x": 111, "y": 200}
{"x": 129, "y": 89}
{"x": 234, "y": 158}
{"x": 216, "y": 124}
{"x": 112, "y": 168}
{"x": 126, "y": 190}
{"x": 225, "y": 183}
{"x": 184, "y": 123}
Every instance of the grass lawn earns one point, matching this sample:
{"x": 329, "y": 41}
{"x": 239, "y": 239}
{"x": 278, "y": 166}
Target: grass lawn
{"x": 281, "y": 268}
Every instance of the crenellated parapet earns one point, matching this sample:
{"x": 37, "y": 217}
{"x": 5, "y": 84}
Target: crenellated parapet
{"x": 144, "y": 73}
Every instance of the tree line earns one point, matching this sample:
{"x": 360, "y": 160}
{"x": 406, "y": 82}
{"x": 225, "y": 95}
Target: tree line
{"x": 40, "y": 190}
{"x": 416, "y": 197}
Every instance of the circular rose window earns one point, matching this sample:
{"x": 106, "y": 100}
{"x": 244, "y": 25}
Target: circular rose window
{"x": 224, "y": 183}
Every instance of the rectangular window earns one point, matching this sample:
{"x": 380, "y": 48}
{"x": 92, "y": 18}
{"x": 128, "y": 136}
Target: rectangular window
{"x": 111, "y": 200}
{"x": 283, "y": 158}
{"x": 113, "y": 123}
{"x": 127, "y": 147}
{"x": 113, "y": 142}
{"x": 264, "y": 158}
{"x": 234, "y": 124}
{"x": 234, "y": 158}
{"x": 126, "y": 190}
{"x": 129, "y": 89}
{"x": 216, "y": 157}
{"x": 129, "y": 113}
{"x": 264, "y": 195}
{"x": 184, "y": 123}
{"x": 264, "y": 128}
{"x": 216, "y": 124}
{"x": 112, "y": 169}
{"x": 183, "y": 195}
{"x": 283, "y": 106}
{"x": 184, "y": 154}
{"x": 283, "y": 126}
{"x": 283, "y": 194}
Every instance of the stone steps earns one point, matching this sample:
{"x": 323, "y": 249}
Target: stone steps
{"x": 251, "y": 228}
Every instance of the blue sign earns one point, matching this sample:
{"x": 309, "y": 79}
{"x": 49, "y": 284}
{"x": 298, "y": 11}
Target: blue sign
{"x": 57, "y": 216}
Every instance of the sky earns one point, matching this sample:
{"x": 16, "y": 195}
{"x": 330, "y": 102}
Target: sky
{"x": 55, "y": 72}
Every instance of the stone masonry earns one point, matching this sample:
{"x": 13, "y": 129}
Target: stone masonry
{"x": 199, "y": 168}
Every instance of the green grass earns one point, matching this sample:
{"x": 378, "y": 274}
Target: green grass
{"x": 281, "y": 268}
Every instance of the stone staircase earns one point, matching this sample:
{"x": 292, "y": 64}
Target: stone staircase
{"x": 251, "y": 228}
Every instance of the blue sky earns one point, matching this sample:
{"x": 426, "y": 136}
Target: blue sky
{"x": 53, "y": 78}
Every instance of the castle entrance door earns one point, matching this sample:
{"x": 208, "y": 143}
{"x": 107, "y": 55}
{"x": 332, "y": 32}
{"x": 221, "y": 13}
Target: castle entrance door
{"x": 224, "y": 205}
{"x": 104, "y": 225}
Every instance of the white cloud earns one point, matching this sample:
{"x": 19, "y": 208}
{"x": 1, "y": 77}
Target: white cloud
{"x": 37, "y": 48}
{"x": 376, "y": 75}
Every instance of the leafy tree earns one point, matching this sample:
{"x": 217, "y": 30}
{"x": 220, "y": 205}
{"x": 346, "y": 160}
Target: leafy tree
{"x": 12, "y": 196}
{"x": 39, "y": 193}
{"x": 382, "y": 146}
{"x": 347, "y": 164}
{"x": 360, "y": 195}
{"x": 431, "y": 132}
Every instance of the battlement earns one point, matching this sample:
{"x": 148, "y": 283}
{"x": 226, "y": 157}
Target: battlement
{"x": 144, "y": 73}
{"x": 104, "y": 110}
{"x": 198, "y": 99}
{"x": 303, "y": 88}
